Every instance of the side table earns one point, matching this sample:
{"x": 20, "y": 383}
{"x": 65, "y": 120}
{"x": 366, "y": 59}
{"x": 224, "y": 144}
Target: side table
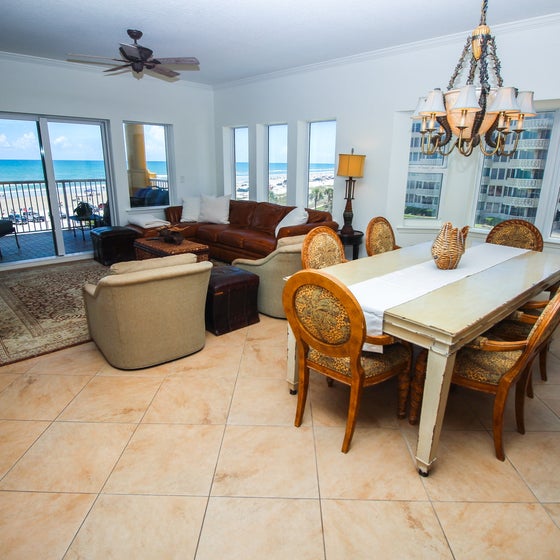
{"x": 354, "y": 239}
{"x": 148, "y": 248}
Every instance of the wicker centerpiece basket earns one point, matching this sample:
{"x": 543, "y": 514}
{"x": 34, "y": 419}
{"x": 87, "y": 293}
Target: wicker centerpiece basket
{"x": 449, "y": 246}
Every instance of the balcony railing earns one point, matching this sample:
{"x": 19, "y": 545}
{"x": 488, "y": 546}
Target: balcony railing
{"x": 26, "y": 202}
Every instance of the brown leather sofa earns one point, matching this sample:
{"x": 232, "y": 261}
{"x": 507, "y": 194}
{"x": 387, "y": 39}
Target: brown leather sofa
{"x": 250, "y": 233}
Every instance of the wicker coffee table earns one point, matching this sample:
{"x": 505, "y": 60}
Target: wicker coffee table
{"x": 148, "y": 248}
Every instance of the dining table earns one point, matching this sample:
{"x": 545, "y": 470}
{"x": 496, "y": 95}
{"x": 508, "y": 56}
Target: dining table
{"x": 404, "y": 294}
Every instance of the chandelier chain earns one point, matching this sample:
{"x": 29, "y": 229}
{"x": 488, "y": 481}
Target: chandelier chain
{"x": 460, "y": 64}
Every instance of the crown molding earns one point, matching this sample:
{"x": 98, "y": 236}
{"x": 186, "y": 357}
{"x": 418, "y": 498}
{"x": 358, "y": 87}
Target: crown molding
{"x": 444, "y": 40}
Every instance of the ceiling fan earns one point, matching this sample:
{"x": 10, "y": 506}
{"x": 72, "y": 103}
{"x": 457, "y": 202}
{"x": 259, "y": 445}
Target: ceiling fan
{"x": 137, "y": 58}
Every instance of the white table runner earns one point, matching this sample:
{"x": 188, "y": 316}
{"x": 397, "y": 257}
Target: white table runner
{"x": 376, "y": 295}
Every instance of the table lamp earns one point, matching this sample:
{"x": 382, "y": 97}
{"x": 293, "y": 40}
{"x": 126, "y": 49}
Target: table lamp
{"x": 351, "y": 166}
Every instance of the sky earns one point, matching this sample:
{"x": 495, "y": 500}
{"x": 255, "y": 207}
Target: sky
{"x": 69, "y": 141}
{"x": 80, "y": 141}
{"x": 321, "y": 143}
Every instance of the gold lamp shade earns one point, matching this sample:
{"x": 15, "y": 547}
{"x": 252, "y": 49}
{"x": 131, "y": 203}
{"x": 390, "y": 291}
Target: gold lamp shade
{"x": 350, "y": 165}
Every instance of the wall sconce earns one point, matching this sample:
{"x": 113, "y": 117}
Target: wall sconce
{"x": 351, "y": 166}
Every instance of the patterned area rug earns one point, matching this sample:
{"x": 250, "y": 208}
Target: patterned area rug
{"x": 41, "y": 309}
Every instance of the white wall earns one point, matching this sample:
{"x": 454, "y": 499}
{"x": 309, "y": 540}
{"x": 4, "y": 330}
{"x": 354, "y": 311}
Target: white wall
{"x": 36, "y": 86}
{"x": 371, "y": 96}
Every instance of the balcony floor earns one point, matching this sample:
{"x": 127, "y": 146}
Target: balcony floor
{"x": 39, "y": 245}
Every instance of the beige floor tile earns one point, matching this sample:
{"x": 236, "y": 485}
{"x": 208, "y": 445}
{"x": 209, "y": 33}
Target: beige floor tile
{"x": 378, "y": 466}
{"x": 266, "y": 461}
{"x": 232, "y": 341}
{"x": 69, "y": 457}
{"x": 141, "y": 527}
{"x": 554, "y": 512}
{"x": 19, "y": 367}
{"x": 465, "y": 409}
{"x": 263, "y": 401}
{"x": 167, "y": 459}
{"x": 34, "y": 525}
{"x": 39, "y": 397}
{"x": 388, "y": 530}
{"x": 112, "y": 399}
{"x": 220, "y": 359}
{"x": 80, "y": 360}
{"x": 512, "y": 531}
{"x": 193, "y": 400}
{"x": 329, "y": 405}
{"x": 536, "y": 457}
{"x": 16, "y": 436}
{"x": 467, "y": 470}
{"x": 538, "y": 416}
{"x": 258, "y": 528}
{"x": 270, "y": 330}
{"x": 7, "y": 378}
{"x": 263, "y": 360}
{"x": 210, "y": 368}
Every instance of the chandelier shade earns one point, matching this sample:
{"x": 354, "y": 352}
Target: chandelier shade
{"x": 471, "y": 115}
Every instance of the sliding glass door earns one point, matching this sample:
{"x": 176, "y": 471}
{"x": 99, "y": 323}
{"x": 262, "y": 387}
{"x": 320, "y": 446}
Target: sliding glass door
{"x": 54, "y": 183}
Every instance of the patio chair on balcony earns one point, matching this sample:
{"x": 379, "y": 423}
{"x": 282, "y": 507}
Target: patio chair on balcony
{"x": 7, "y": 227}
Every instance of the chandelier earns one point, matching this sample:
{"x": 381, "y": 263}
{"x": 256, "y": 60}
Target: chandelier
{"x": 472, "y": 115}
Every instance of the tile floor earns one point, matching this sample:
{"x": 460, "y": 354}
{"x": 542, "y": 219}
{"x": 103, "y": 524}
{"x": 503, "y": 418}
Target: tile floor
{"x": 199, "y": 459}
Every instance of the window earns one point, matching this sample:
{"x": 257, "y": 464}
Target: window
{"x": 426, "y": 175}
{"x": 147, "y": 164}
{"x": 278, "y": 163}
{"x": 241, "y": 158}
{"x": 511, "y": 187}
{"x": 322, "y": 140}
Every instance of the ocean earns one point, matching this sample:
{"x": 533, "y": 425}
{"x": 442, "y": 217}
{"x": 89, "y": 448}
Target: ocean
{"x": 242, "y": 169}
{"x": 32, "y": 170}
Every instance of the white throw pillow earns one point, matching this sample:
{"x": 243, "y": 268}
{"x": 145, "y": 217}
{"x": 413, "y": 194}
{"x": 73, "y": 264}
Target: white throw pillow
{"x": 296, "y": 217}
{"x": 214, "y": 210}
{"x": 191, "y": 209}
{"x": 147, "y": 220}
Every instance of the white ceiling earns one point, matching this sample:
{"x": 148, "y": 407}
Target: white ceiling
{"x": 237, "y": 39}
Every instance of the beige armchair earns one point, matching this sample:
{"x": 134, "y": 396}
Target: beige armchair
{"x": 141, "y": 316}
{"x": 284, "y": 261}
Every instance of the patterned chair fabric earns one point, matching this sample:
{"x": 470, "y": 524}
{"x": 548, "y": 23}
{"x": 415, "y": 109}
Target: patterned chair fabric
{"x": 493, "y": 365}
{"x": 516, "y": 233}
{"x": 329, "y": 327}
{"x": 322, "y": 247}
{"x": 380, "y": 237}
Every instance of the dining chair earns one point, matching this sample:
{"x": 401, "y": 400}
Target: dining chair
{"x": 322, "y": 247}
{"x": 518, "y": 326}
{"x": 523, "y": 235}
{"x": 7, "y": 227}
{"x": 380, "y": 237}
{"x": 493, "y": 366}
{"x": 516, "y": 233}
{"x": 329, "y": 328}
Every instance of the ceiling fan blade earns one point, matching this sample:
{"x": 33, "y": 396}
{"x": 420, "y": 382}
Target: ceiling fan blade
{"x": 158, "y": 69}
{"x": 78, "y": 56}
{"x": 116, "y": 68}
{"x": 188, "y": 60}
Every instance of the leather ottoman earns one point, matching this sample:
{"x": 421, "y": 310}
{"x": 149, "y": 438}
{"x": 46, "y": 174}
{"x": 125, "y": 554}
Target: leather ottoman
{"x": 231, "y": 302}
{"x": 113, "y": 244}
